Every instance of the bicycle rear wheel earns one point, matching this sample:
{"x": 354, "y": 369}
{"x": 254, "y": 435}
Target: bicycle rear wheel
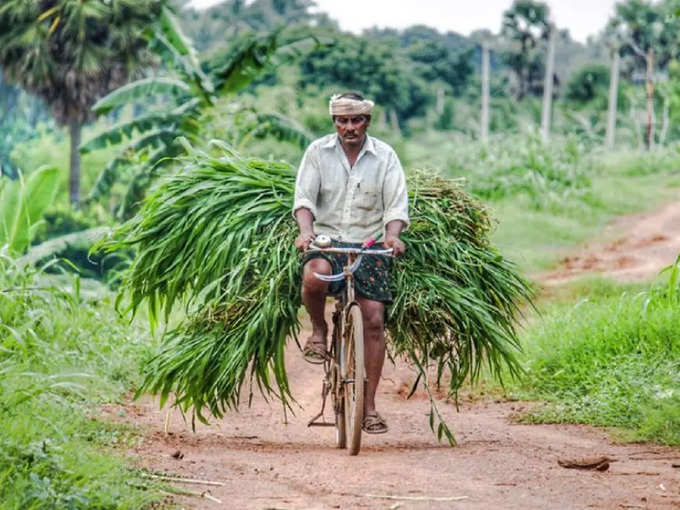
{"x": 353, "y": 372}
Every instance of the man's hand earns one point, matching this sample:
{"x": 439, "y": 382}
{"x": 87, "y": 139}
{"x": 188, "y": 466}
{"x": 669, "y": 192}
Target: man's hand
{"x": 397, "y": 245}
{"x": 305, "y": 221}
{"x": 303, "y": 241}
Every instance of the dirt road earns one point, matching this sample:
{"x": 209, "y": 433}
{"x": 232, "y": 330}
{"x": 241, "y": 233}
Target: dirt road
{"x": 632, "y": 248}
{"x": 266, "y": 464}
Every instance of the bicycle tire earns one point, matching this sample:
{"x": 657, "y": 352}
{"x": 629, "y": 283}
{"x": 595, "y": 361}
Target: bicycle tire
{"x": 337, "y": 389}
{"x": 353, "y": 372}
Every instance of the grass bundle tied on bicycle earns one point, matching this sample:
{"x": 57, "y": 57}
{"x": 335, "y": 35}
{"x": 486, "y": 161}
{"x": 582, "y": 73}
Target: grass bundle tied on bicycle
{"x": 217, "y": 240}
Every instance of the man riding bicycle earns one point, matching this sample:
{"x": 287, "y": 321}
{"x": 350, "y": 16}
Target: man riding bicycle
{"x": 350, "y": 186}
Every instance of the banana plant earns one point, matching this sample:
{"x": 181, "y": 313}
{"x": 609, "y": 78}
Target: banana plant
{"x": 154, "y": 140}
{"x": 22, "y": 204}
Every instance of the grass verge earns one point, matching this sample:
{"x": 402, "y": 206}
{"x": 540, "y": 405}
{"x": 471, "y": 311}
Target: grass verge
{"x": 609, "y": 359}
{"x": 60, "y": 355}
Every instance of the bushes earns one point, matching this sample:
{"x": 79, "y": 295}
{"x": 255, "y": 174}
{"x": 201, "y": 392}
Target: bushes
{"x": 59, "y": 355}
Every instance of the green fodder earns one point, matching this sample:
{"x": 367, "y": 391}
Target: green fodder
{"x": 217, "y": 237}
{"x": 60, "y": 355}
{"x": 612, "y": 359}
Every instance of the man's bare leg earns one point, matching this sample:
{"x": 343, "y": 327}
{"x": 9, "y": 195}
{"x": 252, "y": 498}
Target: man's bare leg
{"x": 374, "y": 348}
{"x": 314, "y": 297}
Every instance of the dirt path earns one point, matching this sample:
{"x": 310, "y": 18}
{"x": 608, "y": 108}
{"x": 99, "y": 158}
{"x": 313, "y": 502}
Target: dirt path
{"x": 633, "y": 248}
{"x": 266, "y": 464}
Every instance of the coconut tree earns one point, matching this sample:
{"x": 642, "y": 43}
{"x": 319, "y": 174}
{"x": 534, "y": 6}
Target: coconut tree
{"x": 525, "y": 26}
{"x": 648, "y": 32}
{"x": 72, "y": 52}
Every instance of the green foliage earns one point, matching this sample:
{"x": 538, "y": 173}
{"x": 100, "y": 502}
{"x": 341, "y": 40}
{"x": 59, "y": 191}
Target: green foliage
{"x": 88, "y": 48}
{"x": 140, "y": 89}
{"x": 19, "y": 120}
{"x": 611, "y": 359}
{"x": 69, "y": 53}
{"x": 525, "y": 26}
{"x": 647, "y": 25}
{"x": 511, "y": 166}
{"x": 158, "y": 137}
{"x": 213, "y": 28}
{"x": 218, "y": 238}
{"x": 22, "y": 204}
{"x": 60, "y": 354}
{"x": 588, "y": 83}
{"x": 375, "y": 69}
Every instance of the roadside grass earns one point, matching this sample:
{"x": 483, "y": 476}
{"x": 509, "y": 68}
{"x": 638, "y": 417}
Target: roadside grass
{"x": 610, "y": 358}
{"x": 537, "y": 239}
{"x": 549, "y": 197}
{"x": 62, "y": 354}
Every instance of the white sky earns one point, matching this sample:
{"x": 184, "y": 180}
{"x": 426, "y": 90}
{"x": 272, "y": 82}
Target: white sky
{"x": 581, "y": 17}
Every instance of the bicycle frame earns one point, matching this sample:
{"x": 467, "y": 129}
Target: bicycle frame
{"x": 342, "y": 306}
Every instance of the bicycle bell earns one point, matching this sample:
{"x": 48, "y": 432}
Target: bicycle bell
{"x": 322, "y": 241}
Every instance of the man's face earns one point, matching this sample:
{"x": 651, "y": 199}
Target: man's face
{"x": 351, "y": 128}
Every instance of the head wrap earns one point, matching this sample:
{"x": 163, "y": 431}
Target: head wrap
{"x": 348, "y": 106}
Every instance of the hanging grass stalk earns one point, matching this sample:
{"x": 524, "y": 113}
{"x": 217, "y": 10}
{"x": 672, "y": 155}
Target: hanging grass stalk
{"x": 217, "y": 238}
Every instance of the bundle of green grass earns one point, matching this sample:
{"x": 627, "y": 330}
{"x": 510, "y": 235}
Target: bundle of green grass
{"x": 216, "y": 239}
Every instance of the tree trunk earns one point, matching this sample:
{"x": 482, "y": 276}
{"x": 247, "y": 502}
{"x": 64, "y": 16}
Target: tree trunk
{"x": 484, "y": 121}
{"x": 613, "y": 96}
{"x": 74, "y": 172}
{"x": 548, "y": 86}
{"x": 636, "y": 126}
{"x": 650, "y": 99}
{"x": 382, "y": 118}
{"x": 394, "y": 121}
{"x": 439, "y": 107}
{"x": 665, "y": 122}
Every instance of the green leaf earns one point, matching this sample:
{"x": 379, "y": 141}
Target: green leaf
{"x": 140, "y": 125}
{"x": 243, "y": 64}
{"x": 10, "y": 204}
{"x": 175, "y": 37}
{"x": 22, "y": 204}
{"x": 281, "y": 128}
{"x": 141, "y": 89}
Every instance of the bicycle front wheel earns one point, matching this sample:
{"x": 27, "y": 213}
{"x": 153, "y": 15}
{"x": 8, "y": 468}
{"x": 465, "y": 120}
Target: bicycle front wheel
{"x": 353, "y": 373}
{"x": 337, "y": 389}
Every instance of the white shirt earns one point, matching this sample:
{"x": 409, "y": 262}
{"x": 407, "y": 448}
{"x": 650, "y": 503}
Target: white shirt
{"x": 351, "y": 204}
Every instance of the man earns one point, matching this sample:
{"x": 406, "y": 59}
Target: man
{"x": 351, "y": 187}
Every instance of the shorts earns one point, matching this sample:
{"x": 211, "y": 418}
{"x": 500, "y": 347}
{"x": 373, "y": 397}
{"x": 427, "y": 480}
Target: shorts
{"x": 372, "y": 277}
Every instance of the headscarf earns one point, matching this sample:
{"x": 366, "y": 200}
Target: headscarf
{"x": 348, "y": 106}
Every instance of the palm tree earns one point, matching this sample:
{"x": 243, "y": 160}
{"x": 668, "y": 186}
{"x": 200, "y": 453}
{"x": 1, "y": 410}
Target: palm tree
{"x": 72, "y": 52}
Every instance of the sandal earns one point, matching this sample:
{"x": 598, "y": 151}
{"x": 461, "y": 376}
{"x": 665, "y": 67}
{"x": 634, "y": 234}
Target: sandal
{"x": 374, "y": 424}
{"x": 314, "y": 351}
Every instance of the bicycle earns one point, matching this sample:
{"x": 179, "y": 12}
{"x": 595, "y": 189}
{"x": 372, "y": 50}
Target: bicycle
{"x": 344, "y": 369}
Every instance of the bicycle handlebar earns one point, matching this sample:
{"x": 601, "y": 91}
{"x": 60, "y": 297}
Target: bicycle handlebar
{"x": 355, "y": 251}
{"x": 361, "y": 251}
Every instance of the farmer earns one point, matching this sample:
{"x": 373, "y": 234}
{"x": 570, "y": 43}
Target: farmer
{"x": 351, "y": 187}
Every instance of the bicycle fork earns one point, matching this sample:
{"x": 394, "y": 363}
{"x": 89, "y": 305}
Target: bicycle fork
{"x": 330, "y": 368}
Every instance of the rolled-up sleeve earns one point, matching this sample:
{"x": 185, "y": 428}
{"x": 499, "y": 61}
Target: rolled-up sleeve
{"x": 307, "y": 182}
{"x": 395, "y": 196}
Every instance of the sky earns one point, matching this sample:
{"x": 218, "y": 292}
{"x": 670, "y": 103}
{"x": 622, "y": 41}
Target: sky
{"x": 581, "y": 17}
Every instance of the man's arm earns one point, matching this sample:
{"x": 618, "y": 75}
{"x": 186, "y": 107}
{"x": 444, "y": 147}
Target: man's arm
{"x": 395, "y": 198}
{"x": 306, "y": 193}
{"x": 305, "y": 221}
